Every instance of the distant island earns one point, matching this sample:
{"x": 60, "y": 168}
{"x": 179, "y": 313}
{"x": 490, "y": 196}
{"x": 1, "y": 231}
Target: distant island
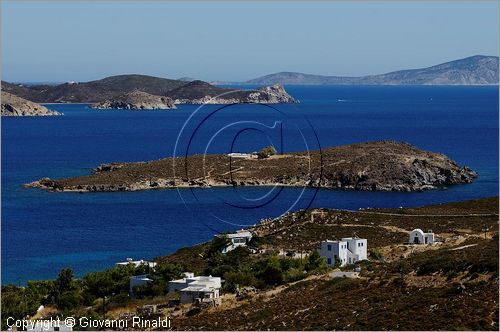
{"x": 16, "y": 106}
{"x": 372, "y": 166}
{"x": 142, "y": 92}
{"x": 474, "y": 70}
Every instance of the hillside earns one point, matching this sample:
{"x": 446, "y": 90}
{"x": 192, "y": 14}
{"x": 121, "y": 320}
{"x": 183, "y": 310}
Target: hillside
{"x": 377, "y": 166}
{"x": 115, "y": 87}
{"x": 93, "y": 91}
{"x": 452, "y": 285}
{"x": 283, "y": 284}
{"x": 136, "y": 100}
{"x": 16, "y": 106}
{"x": 475, "y": 70}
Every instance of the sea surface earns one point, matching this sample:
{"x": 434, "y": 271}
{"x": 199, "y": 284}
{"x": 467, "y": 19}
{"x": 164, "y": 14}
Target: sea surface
{"x": 43, "y": 232}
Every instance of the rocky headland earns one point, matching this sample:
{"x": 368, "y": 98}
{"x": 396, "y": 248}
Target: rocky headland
{"x": 16, "y": 106}
{"x": 199, "y": 92}
{"x": 372, "y": 166}
{"x": 136, "y": 100}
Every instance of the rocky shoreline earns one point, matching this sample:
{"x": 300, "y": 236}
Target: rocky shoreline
{"x": 196, "y": 93}
{"x": 199, "y": 92}
{"x": 373, "y": 166}
{"x": 16, "y": 106}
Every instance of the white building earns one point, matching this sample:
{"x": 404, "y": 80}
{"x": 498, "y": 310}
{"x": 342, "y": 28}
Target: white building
{"x": 349, "y": 250}
{"x": 136, "y": 281}
{"x": 137, "y": 263}
{"x": 238, "y": 239}
{"x": 417, "y": 236}
{"x": 192, "y": 287}
{"x": 253, "y": 155}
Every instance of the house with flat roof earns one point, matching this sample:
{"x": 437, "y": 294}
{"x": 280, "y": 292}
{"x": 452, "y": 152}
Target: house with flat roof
{"x": 239, "y": 239}
{"x": 417, "y": 236}
{"x": 349, "y": 250}
{"x": 137, "y": 263}
{"x": 192, "y": 288}
{"x": 136, "y": 281}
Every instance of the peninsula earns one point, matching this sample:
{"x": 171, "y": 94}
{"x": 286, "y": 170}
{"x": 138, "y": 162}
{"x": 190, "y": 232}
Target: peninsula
{"x": 115, "y": 91}
{"x": 372, "y": 166}
{"x": 16, "y": 106}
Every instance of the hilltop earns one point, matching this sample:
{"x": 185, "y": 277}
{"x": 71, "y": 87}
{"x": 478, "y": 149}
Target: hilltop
{"x": 474, "y": 70}
{"x": 93, "y": 91}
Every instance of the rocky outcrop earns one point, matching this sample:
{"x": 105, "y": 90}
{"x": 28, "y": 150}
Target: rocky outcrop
{"x": 15, "y": 106}
{"x": 373, "y": 166}
{"x": 271, "y": 95}
{"x": 199, "y": 92}
{"x": 136, "y": 100}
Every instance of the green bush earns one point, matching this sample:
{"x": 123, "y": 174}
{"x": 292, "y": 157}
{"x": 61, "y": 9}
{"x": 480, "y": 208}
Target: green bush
{"x": 241, "y": 278}
{"x": 375, "y": 253}
{"x": 17, "y": 302}
{"x": 112, "y": 281}
{"x": 167, "y": 272}
{"x": 272, "y": 275}
{"x": 267, "y": 152}
{"x": 316, "y": 263}
{"x": 193, "y": 312}
{"x": 294, "y": 274}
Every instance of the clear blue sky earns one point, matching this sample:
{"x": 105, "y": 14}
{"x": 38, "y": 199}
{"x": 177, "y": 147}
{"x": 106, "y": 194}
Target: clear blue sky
{"x": 63, "y": 41}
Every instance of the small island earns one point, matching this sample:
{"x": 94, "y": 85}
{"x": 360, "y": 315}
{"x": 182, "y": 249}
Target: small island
{"x": 372, "y": 166}
{"x": 16, "y": 106}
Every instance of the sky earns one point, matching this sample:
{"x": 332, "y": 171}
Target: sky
{"x": 59, "y": 41}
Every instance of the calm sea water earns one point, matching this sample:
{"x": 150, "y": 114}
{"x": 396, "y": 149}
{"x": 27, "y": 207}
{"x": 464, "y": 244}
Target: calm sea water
{"x": 43, "y": 231}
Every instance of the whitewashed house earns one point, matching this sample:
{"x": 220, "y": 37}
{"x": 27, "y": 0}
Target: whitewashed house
{"x": 136, "y": 281}
{"x": 137, "y": 263}
{"x": 417, "y": 236}
{"x": 192, "y": 288}
{"x": 349, "y": 250}
{"x": 239, "y": 239}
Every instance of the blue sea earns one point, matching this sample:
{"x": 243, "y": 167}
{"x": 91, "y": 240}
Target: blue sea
{"x": 43, "y": 232}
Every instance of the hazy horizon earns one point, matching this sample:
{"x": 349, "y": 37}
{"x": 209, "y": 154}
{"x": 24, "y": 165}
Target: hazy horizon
{"x": 240, "y": 81}
{"x": 53, "y": 41}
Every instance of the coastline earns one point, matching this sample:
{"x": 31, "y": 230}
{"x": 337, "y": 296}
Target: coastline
{"x": 369, "y": 166}
{"x": 463, "y": 254}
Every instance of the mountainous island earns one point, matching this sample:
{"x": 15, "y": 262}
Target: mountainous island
{"x": 16, "y": 106}
{"x": 142, "y": 92}
{"x": 474, "y": 70}
{"x": 381, "y": 166}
